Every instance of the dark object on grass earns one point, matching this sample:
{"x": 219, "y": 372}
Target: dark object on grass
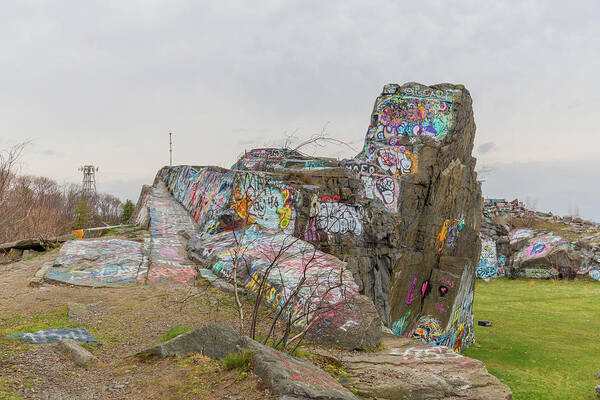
{"x": 484, "y": 323}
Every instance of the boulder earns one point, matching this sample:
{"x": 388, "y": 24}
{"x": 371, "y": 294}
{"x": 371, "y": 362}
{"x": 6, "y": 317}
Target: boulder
{"x": 214, "y": 341}
{"x": 544, "y": 257}
{"x": 283, "y": 374}
{"x": 289, "y": 376}
{"x": 302, "y": 285}
{"x": 80, "y": 356}
{"x": 407, "y": 369}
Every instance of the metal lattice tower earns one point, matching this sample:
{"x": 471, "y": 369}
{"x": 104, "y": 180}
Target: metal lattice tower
{"x": 89, "y": 179}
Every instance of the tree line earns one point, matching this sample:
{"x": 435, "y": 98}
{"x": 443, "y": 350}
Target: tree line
{"x": 39, "y": 207}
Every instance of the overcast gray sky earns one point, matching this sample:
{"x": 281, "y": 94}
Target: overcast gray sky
{"x": 103, "y": 82}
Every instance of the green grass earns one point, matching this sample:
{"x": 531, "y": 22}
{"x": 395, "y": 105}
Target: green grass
{"x": 240, "y": 360}
{"x": 53, "y": 319}
{"x": 545, "y": 338}
{"x": 175, "y": 331}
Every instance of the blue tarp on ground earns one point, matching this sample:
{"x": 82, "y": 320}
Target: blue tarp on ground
{"x": 56, "y": 335}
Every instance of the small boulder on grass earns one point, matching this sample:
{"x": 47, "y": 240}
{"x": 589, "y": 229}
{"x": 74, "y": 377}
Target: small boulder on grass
{"x": 80, "y": 356}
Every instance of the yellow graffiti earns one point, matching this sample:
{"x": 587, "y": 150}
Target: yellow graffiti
{"x": 241, "y": 204}
{"x": 441, "y": 237}
{"x": 284, "y": 213}
{"x": 270, "y": 293}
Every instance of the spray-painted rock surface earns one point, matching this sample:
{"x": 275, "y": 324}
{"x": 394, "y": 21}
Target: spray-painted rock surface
{"x": 162, "y": 258}
{"x": 112, "y": 262}
{"x": 518, "y": 242}
{"x": 407, "y": 369}
{"x": 403, "y": 215}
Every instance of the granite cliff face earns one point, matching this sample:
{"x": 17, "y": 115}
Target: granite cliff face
{"x": 402, "y": 218}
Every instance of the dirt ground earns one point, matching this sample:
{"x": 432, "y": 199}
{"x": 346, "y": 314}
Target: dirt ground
{"x": 124, "y": 321}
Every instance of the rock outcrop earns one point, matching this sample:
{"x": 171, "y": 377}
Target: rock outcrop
{"x": 403, "y": 216}
{"x": 283, "y": 374}
{"x": 518, "y": 242}
{"x": 407, "y": 369}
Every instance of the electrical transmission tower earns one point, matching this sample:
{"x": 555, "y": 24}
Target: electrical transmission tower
{"x": 89, "y": 179}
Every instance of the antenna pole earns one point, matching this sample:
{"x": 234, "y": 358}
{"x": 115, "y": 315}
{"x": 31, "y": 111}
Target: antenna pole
{"x": 170, "y": 150}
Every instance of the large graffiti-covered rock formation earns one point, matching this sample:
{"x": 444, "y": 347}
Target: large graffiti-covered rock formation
{"x": 398, "y": 223}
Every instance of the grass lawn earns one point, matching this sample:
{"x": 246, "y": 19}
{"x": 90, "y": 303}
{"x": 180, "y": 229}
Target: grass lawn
{"x": 545, "y": 338}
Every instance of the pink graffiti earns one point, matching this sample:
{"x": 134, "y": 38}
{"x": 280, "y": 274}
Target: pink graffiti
{"x": 166, "y": 274}
{"x": 440, "y": 307}
{"x": 448, "y": 283}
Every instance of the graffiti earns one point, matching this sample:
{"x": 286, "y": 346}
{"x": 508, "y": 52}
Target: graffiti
{"x": 595, "y": 274}
{"x": 448, "y": 233}
{"x": 329, "y": 199}
{"x": 536, "y": 249}
{"x": 539, "y": 273}
{"x": 409, "y": 298}
{"x": 386, "y": 190}
{"x": 395, "y": 141}
{"x": 314, "y": 164}
{"x": 425, "y": 289}
{"x": 485, "y": 270}
{"x": 383, "y": 188}
{"x": 517, "y": 234}
{"x": 459, "y": 330}
{"x": 397, "y": 161}
{"x": 358, "y": 167}
{"x": 427, "y": 352}
{"x": 400, "y": 115}
{"x": 97, "y": 263}
{"x": 440, "y": 307}
{"x": 448, "y": 283}
{"x": 258, "y": 201}
{"x": 264, "y": 159}
{"x": 490, "y": 265}
{"x": 426, "y": 92}
{"x": 400, "y": 325}
{"x": 428, "y": 329}
{"x": 443, "y": 290}
{"x": 288, "y": 262}
{"x": 339, "y": 218}
{"x": 542, "y": 245}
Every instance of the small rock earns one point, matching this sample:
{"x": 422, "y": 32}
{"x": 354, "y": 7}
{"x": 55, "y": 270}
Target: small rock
{"x": 214, "y": 341}
{"x": 598, "y": 390}
{"x": 80, "y": 356}
{"x": 484, "y": 323}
